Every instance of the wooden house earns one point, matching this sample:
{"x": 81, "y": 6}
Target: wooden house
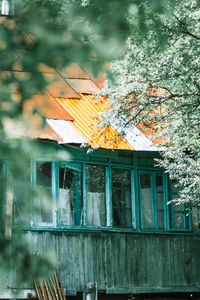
{"x": 109, "y": 221}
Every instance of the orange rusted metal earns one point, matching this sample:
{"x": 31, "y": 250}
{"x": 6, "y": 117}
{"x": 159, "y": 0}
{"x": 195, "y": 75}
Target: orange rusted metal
{"x": 46, "y": 106}
{"x": 86, "y": 112}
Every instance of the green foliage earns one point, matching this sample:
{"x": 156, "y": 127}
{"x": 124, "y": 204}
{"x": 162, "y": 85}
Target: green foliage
{"x": 158, "y": 84}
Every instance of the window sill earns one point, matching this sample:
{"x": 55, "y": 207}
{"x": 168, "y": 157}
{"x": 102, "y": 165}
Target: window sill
{"x": 105, "y": 229}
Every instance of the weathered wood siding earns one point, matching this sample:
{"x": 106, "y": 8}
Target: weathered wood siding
{"x": 121, "y": 262}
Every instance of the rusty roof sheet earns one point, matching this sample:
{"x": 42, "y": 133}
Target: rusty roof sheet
{"x": 47, "y": 133}
{"x": 83, "y": 86}
{"x": 58, "y": 87}
{"x": 46, "y": 106}
{"x": 85, "y": 112}
{"x": 74, "y": 71}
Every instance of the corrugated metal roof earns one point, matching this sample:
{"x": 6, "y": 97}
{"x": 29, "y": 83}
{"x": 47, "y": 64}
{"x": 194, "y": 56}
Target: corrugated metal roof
{"x": 133, "y": 135}
{"x": 72, "y": 113}
{"x": 85, "y": 112}
{"x": 66, "y": 131}
{"x": 48, "y": 133}
{"x": 138, "y": 140}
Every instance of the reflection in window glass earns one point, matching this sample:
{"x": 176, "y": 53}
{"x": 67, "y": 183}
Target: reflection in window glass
{"x": 121, "y": 198}
{"x": 160, "y": 200}
{"x": 95, "y": 195}
{"x": 44, "y": 206}
{"x": 146, "y": 201}
{"x": 70, "y": 206}
{"x": 178, "y": 221}
{"x": 179, "y": 217}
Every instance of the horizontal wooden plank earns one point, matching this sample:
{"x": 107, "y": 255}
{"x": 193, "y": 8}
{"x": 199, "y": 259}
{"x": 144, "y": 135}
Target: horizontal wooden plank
{"x": 120, "y": 262}
{"x": 152, "y": 290}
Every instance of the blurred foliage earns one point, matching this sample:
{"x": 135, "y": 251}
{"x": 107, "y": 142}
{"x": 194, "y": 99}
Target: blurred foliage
{"x": 55, "y": 33}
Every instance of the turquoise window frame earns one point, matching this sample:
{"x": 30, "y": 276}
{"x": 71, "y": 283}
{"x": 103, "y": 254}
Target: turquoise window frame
{"x": 184, "y": 211}
{"x": 135, "y": 171}
{"x": 153, "y": 174}
{"x": 132, "y": 194}
{"x": 79, "y": 212}
{"x": 53, "y": 192}
{"x": 108, "y": 206}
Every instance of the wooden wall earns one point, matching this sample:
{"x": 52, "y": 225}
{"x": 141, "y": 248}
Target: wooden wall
{"x": 122, "y": 262}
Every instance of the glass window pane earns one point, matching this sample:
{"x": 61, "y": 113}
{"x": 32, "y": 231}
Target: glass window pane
{"x": 96, "y": 210}
{"x": 178, "y": 211}
{"x": 44, "y": 205}
{"x": 161, "y": 220}
{"x": 121, "y": 198}
{"x": 160, "y": 200}
{"x": 178, "y": 220}
{"x": 146, "y": 201}
{"x": 159, "y": 191}
{"x": 175, "y": 195}
{"x": 70, "y": 206}
{"x": 178, "y": 207}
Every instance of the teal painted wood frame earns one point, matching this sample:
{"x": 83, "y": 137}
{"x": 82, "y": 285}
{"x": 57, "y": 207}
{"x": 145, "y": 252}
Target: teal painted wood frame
{"x": 33, "y": 184}
{"x": 173, "y": 211}
{"x": 154, "y": 192}
{"x": 84, "y": 194}
{"x": 108, "y": 194}
{"x": 133, "y": 200}
{"x": 53, "y": 192}
{"x": 135, "y": 194}
{"x": 166, "y": 200}
{"x": 140, "y": 197}
{"x": 136, "y": 188}
{"x": 79, "y": 211}
{"x": 132, "y": 192}
{"x": 54, "y": 187}
{"x": 152, "y": 175}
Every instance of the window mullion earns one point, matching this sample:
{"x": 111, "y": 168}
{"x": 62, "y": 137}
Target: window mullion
{"x": 33, "y": 186}
{"x": 171, "y": 205}
{"x": 137, "y": 193}
{"x": 140, "y": 200}
{"x": 54, "y": 189}
{"x": 154, "y": 200}
{"x": 166, "y": 199}
{"x": 133, "y": 199}
{"x": 84, "y": 195}
{"x": 108, "y": 192}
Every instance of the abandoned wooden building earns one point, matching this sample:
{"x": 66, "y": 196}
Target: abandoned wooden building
{"x": 109, "y": 221}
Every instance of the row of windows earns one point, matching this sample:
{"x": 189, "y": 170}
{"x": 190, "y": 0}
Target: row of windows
{"x": 79, "y": 194}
